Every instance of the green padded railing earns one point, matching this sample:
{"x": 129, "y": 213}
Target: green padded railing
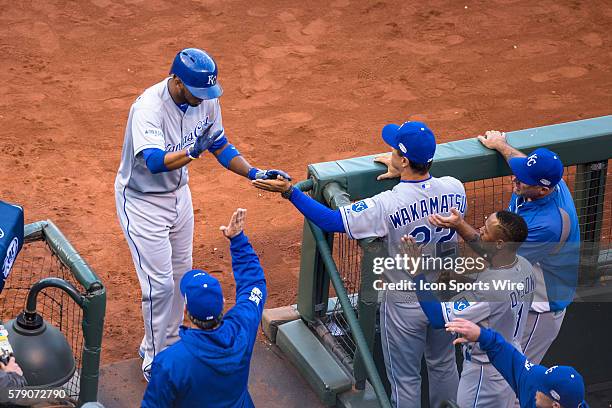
{"x": 585, "y": 144}
{"x": 93, "y": 308}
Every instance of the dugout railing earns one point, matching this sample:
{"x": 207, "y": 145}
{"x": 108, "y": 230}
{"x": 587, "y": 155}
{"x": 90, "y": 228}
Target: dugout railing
{"x": 47, "y": 253}
{"x": 585, "y": 148}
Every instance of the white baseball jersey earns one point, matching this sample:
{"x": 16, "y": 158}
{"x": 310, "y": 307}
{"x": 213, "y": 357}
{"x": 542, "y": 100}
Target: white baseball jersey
{"x": 405, "y": 331}
{"x": 156, "y": 122}
{"x": 155, "y": 210}
{"x": 403, "y": 210}
{"x": 501, "y": 305}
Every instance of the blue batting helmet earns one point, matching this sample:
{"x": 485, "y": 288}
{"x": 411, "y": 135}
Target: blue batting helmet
{"x": 198, "y": 71}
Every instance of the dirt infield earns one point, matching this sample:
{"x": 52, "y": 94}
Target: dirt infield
{"x": 303, "y": 84}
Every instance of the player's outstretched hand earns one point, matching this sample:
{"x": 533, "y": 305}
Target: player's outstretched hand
{"x": 410, "y": 247}
{"x": 236, "y": 224}
{"x": 279, "y": 185}
{"x": 452, "y": 221}
{"x": 391, "y": 171}
{"x": 469, "y": 331}
{"x": 493, "y": 139}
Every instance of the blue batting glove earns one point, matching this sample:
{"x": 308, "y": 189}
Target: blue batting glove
{"x": 204, "y": 139}
{"x": 258, "y": 174}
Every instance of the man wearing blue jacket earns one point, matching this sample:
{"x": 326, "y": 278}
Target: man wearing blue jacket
{"x": 535, "y": 386}
{"x": 543, "y": 199}
{"x": 209, "y": 365}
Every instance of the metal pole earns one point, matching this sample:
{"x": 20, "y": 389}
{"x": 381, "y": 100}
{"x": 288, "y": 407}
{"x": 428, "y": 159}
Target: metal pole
{"x": 360, "y": 340}
{"x": 589, "y": 192}
{"x": 367, "y": 302}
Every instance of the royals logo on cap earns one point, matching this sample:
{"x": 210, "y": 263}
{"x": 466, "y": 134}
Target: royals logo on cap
{"x": 414, "y": 140}
{"x": 203, "y": 295}
{"x": 541, "y": 168}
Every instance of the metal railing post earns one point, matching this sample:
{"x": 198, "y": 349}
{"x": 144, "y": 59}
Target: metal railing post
{"x": 360, "y": 340}
{"x": 589, "y": 193}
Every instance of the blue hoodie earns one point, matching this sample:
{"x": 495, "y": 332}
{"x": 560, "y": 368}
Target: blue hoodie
{"x": 211, "y": 368}
{"x": 523, "y": 377}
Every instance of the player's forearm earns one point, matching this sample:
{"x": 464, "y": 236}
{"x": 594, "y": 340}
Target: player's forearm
{"x": 176, "y": 160}
{"x": 229, "y": 157}
{"x": 325, "y": 218}
{"x": 508, "y": 151}
{"x": 245, "y": 264}
{"x": 429, "y": 303}
{"x": 240, "y": 166}
{"x": 471, "y": 236}
{"x": 466, "y": 231}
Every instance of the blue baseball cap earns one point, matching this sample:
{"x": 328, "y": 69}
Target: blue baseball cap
{"x": 565, "y": 385}
{"x": 541, "y": 168}
{"x": 414, "y": 140}
{"x": 198, "y": 71}
{"x": 203, "y": 295}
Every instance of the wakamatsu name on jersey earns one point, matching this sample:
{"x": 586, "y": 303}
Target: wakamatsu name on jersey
{"x": 424, "y": 208}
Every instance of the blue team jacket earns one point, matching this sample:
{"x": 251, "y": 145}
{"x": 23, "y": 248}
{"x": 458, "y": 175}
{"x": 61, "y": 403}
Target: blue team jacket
{"x": 522, "y": 376}
{"x": 559, "y": 265}
{"x": 211, "y": 368}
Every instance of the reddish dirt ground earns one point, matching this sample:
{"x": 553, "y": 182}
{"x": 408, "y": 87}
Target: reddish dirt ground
{"x": 303, "y": 84}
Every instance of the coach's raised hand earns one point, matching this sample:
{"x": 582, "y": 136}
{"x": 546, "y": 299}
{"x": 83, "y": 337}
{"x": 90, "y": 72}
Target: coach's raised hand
{"x": 236, "y": 224}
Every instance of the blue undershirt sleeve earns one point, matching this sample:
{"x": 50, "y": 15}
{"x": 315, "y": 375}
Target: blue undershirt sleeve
{"x": 227, "y": 155}
{"x": 154, "y": 158}
{"x": 325, "y": 218}
{"x": 218, "y": 144}
{"x": 429, "y": 303}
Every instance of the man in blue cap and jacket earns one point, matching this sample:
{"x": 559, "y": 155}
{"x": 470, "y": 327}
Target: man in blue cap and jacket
{"x": 535, "y": 386}
{"x": 209, "y": 365}
{"x": 544, "y": 201}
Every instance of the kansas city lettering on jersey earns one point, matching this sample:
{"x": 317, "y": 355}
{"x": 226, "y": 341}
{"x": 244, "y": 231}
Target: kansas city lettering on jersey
{"x": 186, "y": 141}
{"x": 426, "y": 207}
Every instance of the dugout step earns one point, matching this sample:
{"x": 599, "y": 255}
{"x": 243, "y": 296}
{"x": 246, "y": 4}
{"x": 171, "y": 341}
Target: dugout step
{"x": 359, "y": 398}
{"x": 272, "y": 318}
{"x": 273, "y": 382}
{"x": 316, "y": 364}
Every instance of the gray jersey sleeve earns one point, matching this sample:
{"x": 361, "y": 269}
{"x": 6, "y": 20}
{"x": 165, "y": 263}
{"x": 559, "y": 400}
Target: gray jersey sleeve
{"x": 466, "y": 306}
{"x": 218, "y": 121}
{"x": 147, "y": 131}
{"x": 365, "y": 218}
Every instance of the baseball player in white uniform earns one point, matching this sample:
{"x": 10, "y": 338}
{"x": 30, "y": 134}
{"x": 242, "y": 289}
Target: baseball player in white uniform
{"x": 171, "y": 124}
{"x": 404, "y": 210}
{"x": 498, "y": 298}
